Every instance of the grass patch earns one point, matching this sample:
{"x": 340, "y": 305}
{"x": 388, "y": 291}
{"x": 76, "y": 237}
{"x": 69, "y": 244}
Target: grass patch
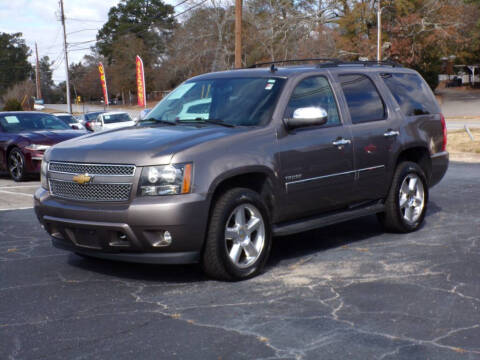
{"x": 459, "y": 141}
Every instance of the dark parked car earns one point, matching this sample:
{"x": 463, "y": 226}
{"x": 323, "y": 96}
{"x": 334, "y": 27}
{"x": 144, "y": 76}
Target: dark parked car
{"x": 273, "y": 151}
{"x": 24, "y": 137}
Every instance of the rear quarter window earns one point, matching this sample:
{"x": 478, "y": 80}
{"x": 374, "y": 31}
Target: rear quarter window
{"x": 412, "y": 94}
{"x": 363, "y": 100}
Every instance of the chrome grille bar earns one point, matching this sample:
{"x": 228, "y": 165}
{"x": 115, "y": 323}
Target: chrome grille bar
{"x": 91, "y": 169}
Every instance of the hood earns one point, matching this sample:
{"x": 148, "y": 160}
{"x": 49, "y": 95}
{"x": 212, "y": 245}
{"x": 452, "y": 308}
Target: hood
{"x": 141, "y": 146}
{"x": 50, "y": 137}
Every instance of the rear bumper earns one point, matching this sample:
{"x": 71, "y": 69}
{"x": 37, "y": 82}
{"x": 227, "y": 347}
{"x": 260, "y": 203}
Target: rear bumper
{"x": 440, "y": 163}
{"x": 127, "y": 232}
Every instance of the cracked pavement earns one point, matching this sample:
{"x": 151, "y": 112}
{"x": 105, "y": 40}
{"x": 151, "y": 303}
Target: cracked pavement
{"x": 348, "y": 291}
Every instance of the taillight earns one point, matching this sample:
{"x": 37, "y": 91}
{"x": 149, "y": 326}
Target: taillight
{"x": 88, "y": 125}
{"x": 444, "y": 130}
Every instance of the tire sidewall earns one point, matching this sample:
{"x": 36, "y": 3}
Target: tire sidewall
{"x": 410, "y": 168}
{"x": 244, "y": 197}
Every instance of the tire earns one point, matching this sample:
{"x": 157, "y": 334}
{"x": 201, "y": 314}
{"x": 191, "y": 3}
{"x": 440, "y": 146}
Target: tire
{"x": 233, "y": 251}
{"x": 16, "y": 165}
{"x": 406, "y": 203}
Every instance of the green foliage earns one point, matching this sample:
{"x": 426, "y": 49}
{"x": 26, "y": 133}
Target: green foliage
{"x": 148, "y": 20}
{"x": 14, "y": 65}
{"x": 12, "y": 105}
{"x": 431, "y": 77}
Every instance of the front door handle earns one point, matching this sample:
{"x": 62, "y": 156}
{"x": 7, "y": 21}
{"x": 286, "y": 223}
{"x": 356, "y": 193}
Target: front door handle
{"x": 341, "y": 142}
{"x": 391, "y": 133}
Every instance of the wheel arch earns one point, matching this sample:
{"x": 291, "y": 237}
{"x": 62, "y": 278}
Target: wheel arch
{"x": 418, "y": 154}
{"x": 257, "y": 178}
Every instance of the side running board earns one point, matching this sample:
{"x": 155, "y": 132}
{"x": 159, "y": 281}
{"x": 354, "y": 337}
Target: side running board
{"x": 292, "y": 227}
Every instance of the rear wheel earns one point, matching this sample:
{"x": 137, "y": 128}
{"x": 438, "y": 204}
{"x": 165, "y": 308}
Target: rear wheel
{"x": 406, "y": 203}
{"x": 16, "y": 165}
{"x": 239, "y": 236}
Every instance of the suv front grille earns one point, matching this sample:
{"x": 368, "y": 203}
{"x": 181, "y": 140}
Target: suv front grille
{"x": 90, "y": 192}
{"x": 92, "y": 169}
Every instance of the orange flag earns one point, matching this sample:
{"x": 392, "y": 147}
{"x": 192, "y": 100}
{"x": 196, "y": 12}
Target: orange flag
{"x": 142, "y": 101}
{"x": 103, "y": 80}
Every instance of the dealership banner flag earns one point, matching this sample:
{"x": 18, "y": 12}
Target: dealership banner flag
{"x": 103, "y": 80}
{"x": 142, "y": 101}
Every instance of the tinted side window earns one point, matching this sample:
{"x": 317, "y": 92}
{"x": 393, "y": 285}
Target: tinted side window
{"x": 314, "y": 91}
{"x": 364, "y": 102}
{"x": 411, "y": 93}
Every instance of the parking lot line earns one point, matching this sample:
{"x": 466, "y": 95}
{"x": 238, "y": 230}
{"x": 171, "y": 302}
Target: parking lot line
{"x": 14, "y": 193}
{"x": 19, "y": 208}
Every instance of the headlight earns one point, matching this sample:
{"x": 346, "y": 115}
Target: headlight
{"x": 37, "y": 147}
{"x": 165, "y": 180}
{"x": 43, "y": 175}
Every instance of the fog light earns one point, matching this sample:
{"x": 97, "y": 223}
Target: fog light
{"x": 165, "y": 241}
{"x": 120, "y": 240}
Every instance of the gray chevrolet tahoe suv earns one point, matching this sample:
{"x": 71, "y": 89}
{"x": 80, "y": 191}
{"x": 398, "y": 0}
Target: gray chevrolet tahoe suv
{"x": 260, "y": 152}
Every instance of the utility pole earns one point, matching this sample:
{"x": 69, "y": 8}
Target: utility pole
{"x": 69, "y": 104}
{"x": 379, "y": 31}
{"x": 238, "y": 33}
{"x": 37, "y": 74}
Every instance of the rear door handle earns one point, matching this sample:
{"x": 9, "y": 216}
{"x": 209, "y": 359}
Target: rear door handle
{"x": 391, "y": 133}
{"x": 341, "y": 142}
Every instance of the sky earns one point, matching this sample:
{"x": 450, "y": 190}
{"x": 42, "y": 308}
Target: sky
{"x": 39, "y": 22}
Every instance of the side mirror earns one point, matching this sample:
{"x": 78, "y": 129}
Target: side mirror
{"x": 307, "y": 116}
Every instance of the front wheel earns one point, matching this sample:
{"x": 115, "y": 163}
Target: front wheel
{"x": 239, "y": 236}
{"x": 16, "y": 165}
{"x": 406, "y": 203}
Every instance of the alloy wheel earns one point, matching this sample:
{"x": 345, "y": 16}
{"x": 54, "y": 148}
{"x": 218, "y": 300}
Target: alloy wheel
{"x": 411, "y": 198}
{"x": 245, "y": 235}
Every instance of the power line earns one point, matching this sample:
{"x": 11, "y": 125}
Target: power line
{"x": 77, "y": 31}
{"x": 85, "y": 20}
{"x": 180, "y": 3}
{"x": 190, "y": 8}
{"x": 80, "y": 43}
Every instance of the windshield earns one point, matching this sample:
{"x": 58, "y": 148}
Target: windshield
{"x": 18, "y": 122}
{"x": 92, "y": 116}
{"x": 69, "y": 119}
{"x": 234, "y": 101}
{"x": 116, "y": 118}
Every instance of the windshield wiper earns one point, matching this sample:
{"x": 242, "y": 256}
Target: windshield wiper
{"x": 158, "y": 121}
{"x": 209, "y": 121}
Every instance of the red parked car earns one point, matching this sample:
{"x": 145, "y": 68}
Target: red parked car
{"x": 24, "y": 137}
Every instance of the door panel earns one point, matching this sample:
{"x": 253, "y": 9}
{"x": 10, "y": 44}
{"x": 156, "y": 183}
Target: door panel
{"x": 318, "y": 176}
{"x": 374, "y": 130}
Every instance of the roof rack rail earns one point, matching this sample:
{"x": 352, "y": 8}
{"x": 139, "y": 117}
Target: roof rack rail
{"x": 333, "y": 61}
{"x": 362, "y": 62}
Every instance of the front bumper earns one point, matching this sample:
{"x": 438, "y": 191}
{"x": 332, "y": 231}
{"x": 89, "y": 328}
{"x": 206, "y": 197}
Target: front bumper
{"x": 127, "y": 232}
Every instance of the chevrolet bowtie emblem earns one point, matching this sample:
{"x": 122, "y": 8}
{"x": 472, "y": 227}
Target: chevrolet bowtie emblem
{"x": 82, "y": 179}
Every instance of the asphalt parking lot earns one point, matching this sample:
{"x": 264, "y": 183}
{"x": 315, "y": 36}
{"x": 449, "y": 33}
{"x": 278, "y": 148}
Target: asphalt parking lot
{"x": 347, "y": 291}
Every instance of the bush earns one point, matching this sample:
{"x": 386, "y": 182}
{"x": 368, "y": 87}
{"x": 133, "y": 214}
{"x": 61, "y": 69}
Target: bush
{"x": 431, "y": 77}
{"x": 12, "y": 105}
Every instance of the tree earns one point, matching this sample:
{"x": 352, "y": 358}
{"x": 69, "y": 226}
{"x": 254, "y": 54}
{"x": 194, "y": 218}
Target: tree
{"x": 85, "y": 78}
{"x": 14, "y": 65}
{"x": 46, "y": 82}
{"x": 150, "y": 21}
